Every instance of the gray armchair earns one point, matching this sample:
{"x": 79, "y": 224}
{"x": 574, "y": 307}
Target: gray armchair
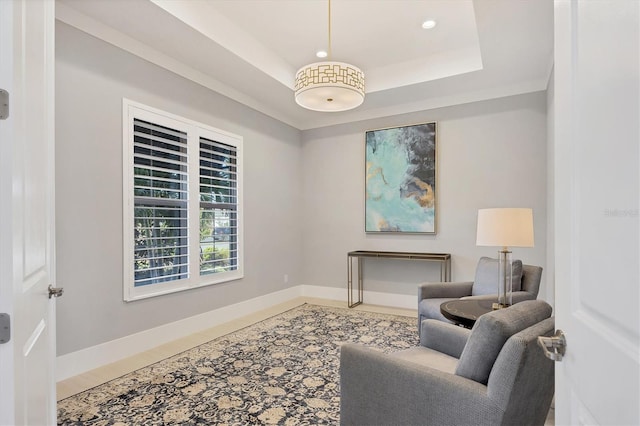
{"x": 494, "y": 374}
{"x": 525, "y": 279}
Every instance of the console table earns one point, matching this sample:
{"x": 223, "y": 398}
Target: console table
{"x": 443, "y": 258}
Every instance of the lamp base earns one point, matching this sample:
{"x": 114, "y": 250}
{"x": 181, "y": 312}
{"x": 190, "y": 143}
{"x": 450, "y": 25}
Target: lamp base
{"x": 497, "y": 306}
{"x": 505, "y": 286}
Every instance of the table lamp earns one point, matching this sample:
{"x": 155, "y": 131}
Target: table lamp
{"x": 506, "y": 227}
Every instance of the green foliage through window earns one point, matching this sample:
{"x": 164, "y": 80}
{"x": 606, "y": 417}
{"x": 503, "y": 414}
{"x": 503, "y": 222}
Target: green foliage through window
{"x": 182, "y": 212}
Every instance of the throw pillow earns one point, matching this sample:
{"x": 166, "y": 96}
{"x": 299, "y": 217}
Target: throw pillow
{"x": 486, "y": 281}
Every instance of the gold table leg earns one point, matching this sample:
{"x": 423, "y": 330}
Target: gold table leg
{"x": 350, "y": 301}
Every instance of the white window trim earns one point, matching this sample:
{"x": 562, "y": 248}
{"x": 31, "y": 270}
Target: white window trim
{"x": 131, "y": 110}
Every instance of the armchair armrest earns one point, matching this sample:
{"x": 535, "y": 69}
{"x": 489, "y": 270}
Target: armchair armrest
{"x": 443, "y": 337}
{"x": 452, "y": 290}
{"x": 376, "y": 389}
{"x": 518, "y": 296}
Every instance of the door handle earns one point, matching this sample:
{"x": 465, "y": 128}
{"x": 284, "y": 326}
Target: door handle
{"x": 55, "y": 292}
{"x": 555, "y": 346}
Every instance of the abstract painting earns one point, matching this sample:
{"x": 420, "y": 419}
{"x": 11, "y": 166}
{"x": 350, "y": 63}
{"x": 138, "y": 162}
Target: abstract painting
{"x": 401, "y": 179}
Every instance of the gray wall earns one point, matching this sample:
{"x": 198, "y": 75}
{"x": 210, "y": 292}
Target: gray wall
{"x": 490, "y": 154}
{"x": 92, "y": 77}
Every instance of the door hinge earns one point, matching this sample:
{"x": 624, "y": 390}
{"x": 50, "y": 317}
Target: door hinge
{"x": 5, "y": 328}
{"x": 4, "y": 104}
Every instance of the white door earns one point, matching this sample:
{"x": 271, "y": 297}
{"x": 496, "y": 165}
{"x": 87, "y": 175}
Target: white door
{"x": 27, "y": 385}
{"x": 597, "y": 188}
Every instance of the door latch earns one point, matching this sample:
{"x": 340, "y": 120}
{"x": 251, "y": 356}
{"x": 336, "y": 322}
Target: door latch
{"x": 5, "y": 328}
{"x": 554, "y": 347}
{"x": 55, "y": 292}
{"x": 4, "y": 104}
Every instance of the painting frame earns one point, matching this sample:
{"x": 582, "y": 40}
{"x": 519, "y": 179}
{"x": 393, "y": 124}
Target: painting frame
{"x": 401, "y": 165}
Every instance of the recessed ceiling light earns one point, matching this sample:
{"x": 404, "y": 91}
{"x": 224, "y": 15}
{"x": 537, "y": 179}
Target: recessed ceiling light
{"x": 427, "y": 25}
{"x": 321, "y": 54}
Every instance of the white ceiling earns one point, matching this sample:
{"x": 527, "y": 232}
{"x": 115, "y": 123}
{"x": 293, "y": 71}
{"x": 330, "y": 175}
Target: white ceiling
{"x": 250, "y": 50}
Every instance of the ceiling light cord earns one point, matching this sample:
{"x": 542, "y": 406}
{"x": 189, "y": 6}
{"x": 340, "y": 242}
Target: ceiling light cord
{"x": 329, "y": 49}
{"x": 329, "y": 86}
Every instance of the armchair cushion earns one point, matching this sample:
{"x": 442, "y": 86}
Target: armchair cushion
{"x": 490, "y": 333}
{"x": 446, "y": 338}
{"x": 428, "y": 358}
{"x": 486, "y": 281}
{"x": 430, "y": 308}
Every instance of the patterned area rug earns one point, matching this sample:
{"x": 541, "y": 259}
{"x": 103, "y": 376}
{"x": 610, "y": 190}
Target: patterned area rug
{"x": 283, "y": 370}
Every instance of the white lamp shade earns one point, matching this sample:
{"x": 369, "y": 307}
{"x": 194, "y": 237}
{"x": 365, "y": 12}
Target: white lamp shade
{"x": 329, "y": 86}
{"x": 509, "y": 227}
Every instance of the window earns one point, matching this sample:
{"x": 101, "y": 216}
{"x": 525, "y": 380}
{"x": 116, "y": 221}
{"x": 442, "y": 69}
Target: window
{"x": 182, "y": 209}
{"x": 218, "y": 207}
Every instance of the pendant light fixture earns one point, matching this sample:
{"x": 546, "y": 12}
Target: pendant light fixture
{"x": 329, "y": 86}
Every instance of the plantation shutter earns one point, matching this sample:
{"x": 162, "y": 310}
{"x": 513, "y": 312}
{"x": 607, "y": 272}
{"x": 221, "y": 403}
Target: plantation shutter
{"x": 182, "y": 211}
{"x": 161, "y": 248}
{"x": 218, "y": 207}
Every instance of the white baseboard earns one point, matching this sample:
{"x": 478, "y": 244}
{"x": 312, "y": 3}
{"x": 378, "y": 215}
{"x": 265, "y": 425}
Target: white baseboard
{"x": 87, "y": 359}
{"x": 75, "y": 363}
{"x": 392, "y": 300}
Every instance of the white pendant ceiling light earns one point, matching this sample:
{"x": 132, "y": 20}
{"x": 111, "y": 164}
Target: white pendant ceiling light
{"x": 329, "y": 86}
